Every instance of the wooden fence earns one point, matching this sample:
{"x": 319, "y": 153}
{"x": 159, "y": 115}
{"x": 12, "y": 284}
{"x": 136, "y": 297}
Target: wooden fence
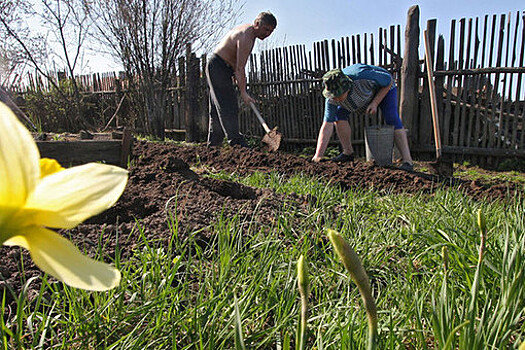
{"x": 479, "y": 84}
{"x": 287, "y": 83}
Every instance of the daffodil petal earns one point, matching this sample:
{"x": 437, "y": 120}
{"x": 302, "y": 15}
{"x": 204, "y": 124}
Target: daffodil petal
{"x": 19, "y": 163}
{"x": 58, "y": 257}
{"x": 68, "y": 197}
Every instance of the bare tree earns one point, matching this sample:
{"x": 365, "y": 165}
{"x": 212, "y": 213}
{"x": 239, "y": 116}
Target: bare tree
{"x": 12, "y": 57}
{"x": 148, "y": 36}
{"x": 54, "y": 44}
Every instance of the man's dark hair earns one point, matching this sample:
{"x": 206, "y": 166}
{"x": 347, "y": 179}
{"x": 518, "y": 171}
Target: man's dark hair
{"x": 267, "y": 18}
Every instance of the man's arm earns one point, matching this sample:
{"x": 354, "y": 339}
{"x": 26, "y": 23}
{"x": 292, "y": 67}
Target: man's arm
{"x": 244, "y": 48}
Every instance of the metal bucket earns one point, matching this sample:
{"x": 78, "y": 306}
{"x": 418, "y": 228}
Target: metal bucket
{"x": 379, "y": 143}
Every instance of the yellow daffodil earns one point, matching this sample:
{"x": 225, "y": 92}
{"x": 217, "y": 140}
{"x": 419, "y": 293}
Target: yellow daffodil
{"x": 38, "y": 194}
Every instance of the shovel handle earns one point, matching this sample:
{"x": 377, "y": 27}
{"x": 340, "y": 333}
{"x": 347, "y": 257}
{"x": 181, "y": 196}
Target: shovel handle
{"x": 259, "y": 116}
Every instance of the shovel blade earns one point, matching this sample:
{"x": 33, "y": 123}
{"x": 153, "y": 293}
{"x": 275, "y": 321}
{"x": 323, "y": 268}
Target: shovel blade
{"x": 273, "y": 139}
{"x": 442, "y": 167}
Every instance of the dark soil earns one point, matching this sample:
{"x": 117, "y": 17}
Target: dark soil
{"x": 162, "y": 188}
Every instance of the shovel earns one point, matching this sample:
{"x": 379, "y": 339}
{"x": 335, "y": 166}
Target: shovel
{"x": 272, "y": 137}
{"x": 440, "y": 166}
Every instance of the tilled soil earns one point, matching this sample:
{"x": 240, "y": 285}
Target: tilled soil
{"x": 162, "y": 189}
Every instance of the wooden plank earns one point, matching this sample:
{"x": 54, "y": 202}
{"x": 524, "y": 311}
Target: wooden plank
{"x": 383, "y": 48}
{"x": 409, "y": 91}
{"x": 488, "y": 129}
{"x": 358, "y": 46}
{"x": 466, "y": 91}
{"x": 392, "y": 48}
{"x": 474, "y": 151}
{"x": 398, "y": 33}
{"x": 497, "y": 97}
{"x": 180, "y": 124}
{"x": 481, "y": 71}
{"x": 294, "y": 92}
{"x": 126, "y": 146}
{"x": 365, "y": 49}
{"x": 335, "y": 61}
{"x": 473, "y": 117}
{"x": 511, "y": 125}
{"x": 70, "y": 153}
{"x": 342, "y": 52}
{"x": 503, "y": 117}
{"x": 354, "y": 57}
{"x": 479, "y": 127}
{"x": 459, "y": 93}
{"x": 519, "y": 83}
{"x": 339, "y": 55}
{"x": 425, "y": 115}
{"x": 372, "y": 51}
{"x": 348, "y": 52}
{"x": 312, "y": 102}
{"x": 326, "y": 58}
{"x": 286, "y": 97}
{"x": 439, "y": 82}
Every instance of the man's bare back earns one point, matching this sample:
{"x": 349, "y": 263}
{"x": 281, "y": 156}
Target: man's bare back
{"x": 238, "y": 41}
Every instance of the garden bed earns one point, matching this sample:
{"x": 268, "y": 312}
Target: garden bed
{"x": 168, "y": 182}
{"x": 74, "y": 149}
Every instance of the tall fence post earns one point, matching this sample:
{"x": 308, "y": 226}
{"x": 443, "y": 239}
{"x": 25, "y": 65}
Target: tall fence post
{"x": 204, "y": 98}
{"x": 425, "y": 113}
{"x": 192, "y": 96}
{"x": 409, "y": 101}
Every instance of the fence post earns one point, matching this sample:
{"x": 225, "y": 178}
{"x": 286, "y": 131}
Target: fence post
{"x": 409, "y": 102}
{"x": 425, "y": 113}
{"x": 180, "y": 111}
{"x": 440, "y": 86}
{"x": 203, "y": 132}
{"x": 192, "y": 96}
{"x": 118, "y": 96}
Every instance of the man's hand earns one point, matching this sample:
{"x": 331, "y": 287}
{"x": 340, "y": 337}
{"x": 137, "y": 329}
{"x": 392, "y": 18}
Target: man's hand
{"x": 316, "y": 159}
{"x": 372, "y": 108}
{"x": 247, "y": 98}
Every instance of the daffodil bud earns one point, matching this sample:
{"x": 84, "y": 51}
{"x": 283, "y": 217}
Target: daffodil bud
{"x": 302, "y": 276}
{"x": 353, "y": 264}
{"x": 444, "y": 254}
{"x": 482, "y": 223}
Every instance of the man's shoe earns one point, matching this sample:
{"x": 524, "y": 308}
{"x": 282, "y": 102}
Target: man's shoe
{"x": 407, "y": 166}
{"x": 343, "y": 158}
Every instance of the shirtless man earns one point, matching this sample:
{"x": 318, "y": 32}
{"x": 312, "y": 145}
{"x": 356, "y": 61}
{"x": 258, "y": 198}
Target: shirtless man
{"x": 227, "y": 62}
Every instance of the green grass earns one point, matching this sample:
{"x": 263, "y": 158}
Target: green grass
{"x": 476, "y": 173}
{"x": 240, "y": 290}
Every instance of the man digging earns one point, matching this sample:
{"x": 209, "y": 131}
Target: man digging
{"x": 228, "y": 62}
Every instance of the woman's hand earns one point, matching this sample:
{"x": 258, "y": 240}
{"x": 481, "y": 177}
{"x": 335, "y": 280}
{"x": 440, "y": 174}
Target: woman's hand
{"x": 372, "y": 108}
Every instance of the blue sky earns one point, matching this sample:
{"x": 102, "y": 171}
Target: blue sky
{"x": 306, "y": 21}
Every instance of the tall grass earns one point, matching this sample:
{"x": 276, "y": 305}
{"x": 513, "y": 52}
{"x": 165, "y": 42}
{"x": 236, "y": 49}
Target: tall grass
{"x": 239, "y": 290}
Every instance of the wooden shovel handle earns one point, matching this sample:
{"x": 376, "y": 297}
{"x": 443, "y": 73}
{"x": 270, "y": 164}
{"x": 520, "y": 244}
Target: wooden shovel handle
{"x": 259, "y": 116}
{"x": 433, "y": 100}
